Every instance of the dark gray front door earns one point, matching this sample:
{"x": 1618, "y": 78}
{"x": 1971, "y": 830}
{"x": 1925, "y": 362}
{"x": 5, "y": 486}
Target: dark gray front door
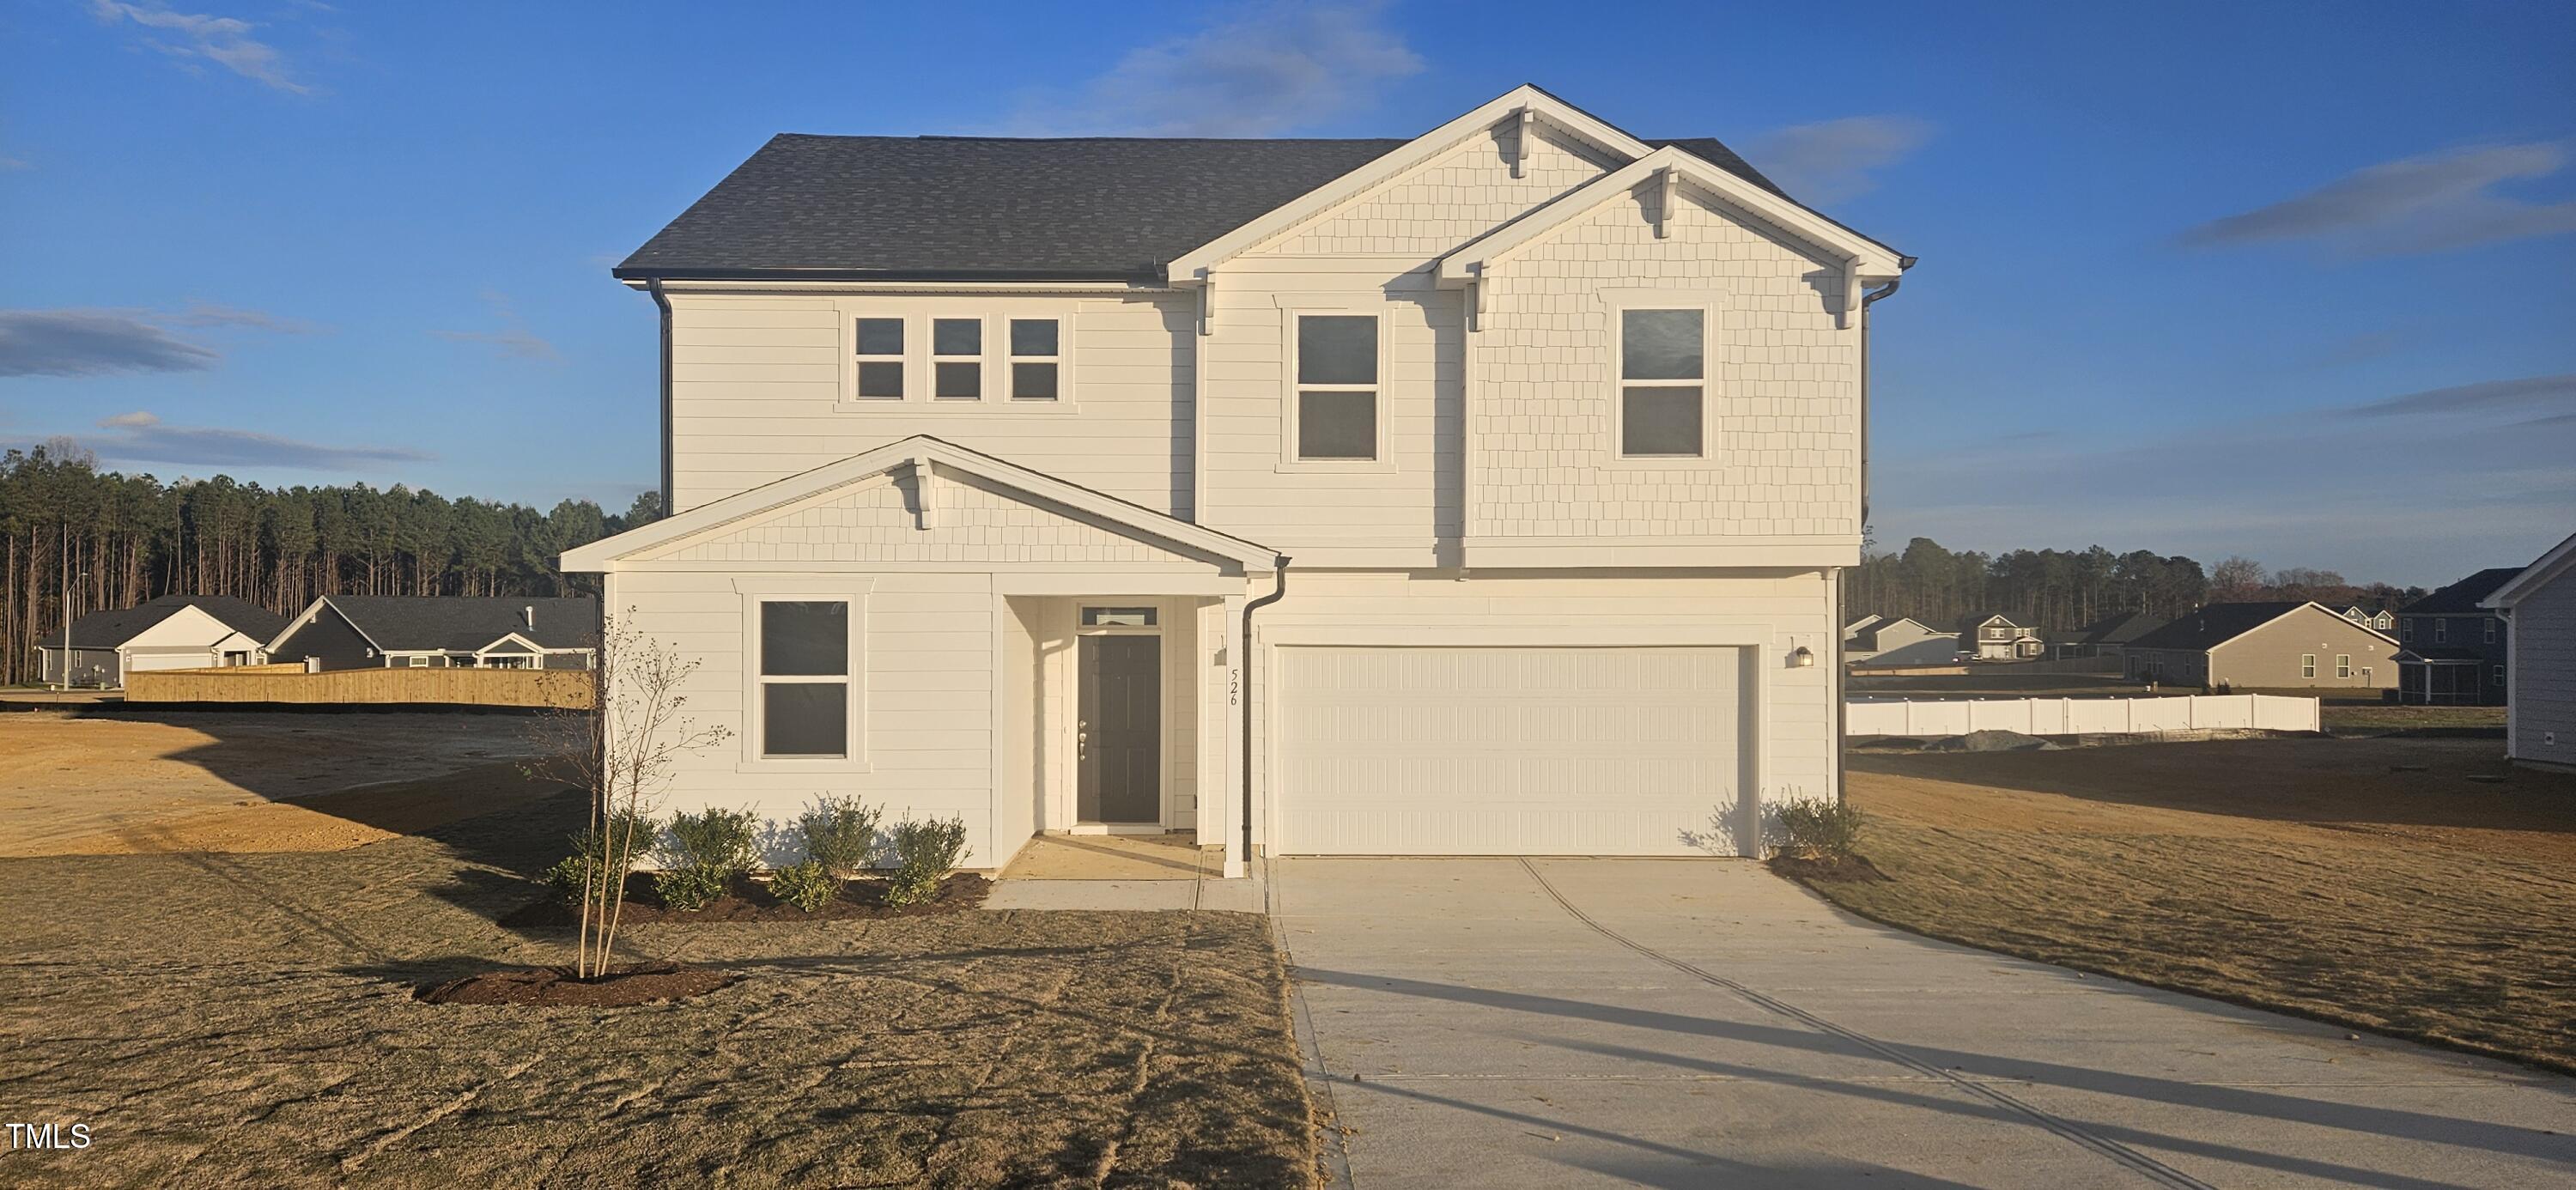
{"x": 1119, "y": 737}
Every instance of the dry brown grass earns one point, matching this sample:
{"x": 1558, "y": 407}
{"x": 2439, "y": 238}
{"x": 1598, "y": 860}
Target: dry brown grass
{"x": 2315, "y": 876}
{"x": 226, "y": 1020}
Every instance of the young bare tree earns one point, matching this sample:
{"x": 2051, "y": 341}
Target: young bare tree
{"x": 623, "y": 748}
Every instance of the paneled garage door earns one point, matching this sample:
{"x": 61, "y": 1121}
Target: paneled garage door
{"x": 1504, "y": 751}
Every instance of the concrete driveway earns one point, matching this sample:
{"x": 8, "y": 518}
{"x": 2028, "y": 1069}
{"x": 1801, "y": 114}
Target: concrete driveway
{"x": 1704, "y": 1023}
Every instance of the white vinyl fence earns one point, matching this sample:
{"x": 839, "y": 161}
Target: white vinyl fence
{"x": 2081, "y": 716}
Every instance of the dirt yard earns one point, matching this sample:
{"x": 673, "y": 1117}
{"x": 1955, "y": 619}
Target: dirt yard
{"x": 221, "y": 1020}
{"x": 111, "y": 783}
{"x": 2373, "y": 882}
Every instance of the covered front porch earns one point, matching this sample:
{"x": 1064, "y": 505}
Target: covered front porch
{"x": 1122, "y": 727}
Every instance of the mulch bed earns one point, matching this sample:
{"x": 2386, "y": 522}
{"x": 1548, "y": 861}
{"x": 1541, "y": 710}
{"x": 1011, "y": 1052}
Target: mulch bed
{"x": 749, "y": 900}
{"x": 1855, "y": 869}
{"x": 651, "y": 983}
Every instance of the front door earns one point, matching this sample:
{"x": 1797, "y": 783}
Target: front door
{"x": 1119, "y": 735}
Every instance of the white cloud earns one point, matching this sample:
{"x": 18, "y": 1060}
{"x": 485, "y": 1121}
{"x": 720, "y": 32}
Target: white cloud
{"x": 2432, "y": 203}
{"x": 513, "y": 339}
{"x": 1260, "y": 71}
{"x": 224, "y": 41}
{"x": 140, "y": 437}
{"x": 1834, "y": 160}
{"x": 92, "y": 342}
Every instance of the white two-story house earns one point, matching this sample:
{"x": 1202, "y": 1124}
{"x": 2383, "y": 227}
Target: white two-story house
{"x": 1480, "y": 493}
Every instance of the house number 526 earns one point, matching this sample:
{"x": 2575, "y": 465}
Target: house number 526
{"x": 1233, "y": 686}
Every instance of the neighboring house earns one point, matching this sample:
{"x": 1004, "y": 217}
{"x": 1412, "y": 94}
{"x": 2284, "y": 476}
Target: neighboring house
{"x": 440, "y": 631}
{"x": 2539, "y": 604}
{"x": 2382, "y": 620}
{"x": 2265, "y": 646}
{"x": 988, "y": 460}
{"x": 1989, "y": 636}
{"x": 2107, "y": 637}
{"x": 2456, "y": 648}
{"x": 1899, "y": 640}
{"x": 171, "y": 632}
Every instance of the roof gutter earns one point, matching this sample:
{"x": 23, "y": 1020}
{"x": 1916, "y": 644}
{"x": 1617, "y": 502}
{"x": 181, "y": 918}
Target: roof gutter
{"x": 1138, "y": 275}
{"x": 662, "y": 302}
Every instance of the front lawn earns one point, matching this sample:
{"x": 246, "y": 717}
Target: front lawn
{"x": 2372, "y": 882}
{"x": 224, "y": 1020}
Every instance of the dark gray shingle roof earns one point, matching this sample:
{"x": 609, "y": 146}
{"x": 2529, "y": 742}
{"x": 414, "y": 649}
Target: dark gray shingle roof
{"x": 407, "y": 622}
{"x": 2209, "y": 627}
{"x": 2118, "y": 628}
{"x": 2461, "y": 598}
{"x": 954, "y": 206}
{"x": 115, "y": 626}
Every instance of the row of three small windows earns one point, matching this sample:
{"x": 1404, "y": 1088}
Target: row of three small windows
{"x": 957, "y": 359}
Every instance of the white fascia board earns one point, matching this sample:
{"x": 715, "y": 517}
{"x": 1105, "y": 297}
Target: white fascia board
{"x": 314, "y": 611}
{"x": 1871, "y": 260}
{"x": 1185, "y": 270}
{"x": 600, "y": 556}
{"x": 922, "y": 287}
{"x": 2533, "y": 577}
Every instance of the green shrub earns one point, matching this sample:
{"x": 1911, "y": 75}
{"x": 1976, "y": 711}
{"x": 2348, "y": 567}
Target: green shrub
{"x": 924, "y": 852}
{"x": 840, "y": 834}
{"x": 808, "y": 886}
{"x": 689, "y": 889}
{"x": 717, "y": 840}
{"x": 630, "y": 835}
{"x": 1820, "y": 828}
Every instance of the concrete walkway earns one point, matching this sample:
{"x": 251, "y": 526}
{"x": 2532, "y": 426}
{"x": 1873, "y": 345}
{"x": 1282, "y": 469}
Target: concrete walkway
{"x": 1701, "y": 1022}
{"x": 1122, "y": 872}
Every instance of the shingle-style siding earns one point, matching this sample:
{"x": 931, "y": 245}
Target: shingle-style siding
{"x": 756, "y": 395}
{"x": 1460, "y": 195}
{"x": 2544, "y": 673}
{"x": 1783, "y": 430}
{"x": 876, "y": 520}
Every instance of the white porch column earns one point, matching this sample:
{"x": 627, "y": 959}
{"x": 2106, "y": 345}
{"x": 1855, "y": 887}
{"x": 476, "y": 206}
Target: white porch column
{"x": 1233, "y": 681}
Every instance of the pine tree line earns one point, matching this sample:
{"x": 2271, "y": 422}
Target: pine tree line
{"x": 75, "y": 538}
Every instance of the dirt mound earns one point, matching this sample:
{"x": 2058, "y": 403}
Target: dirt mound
{"x": 556, "y": 987}
{"x": 749, "y": 900}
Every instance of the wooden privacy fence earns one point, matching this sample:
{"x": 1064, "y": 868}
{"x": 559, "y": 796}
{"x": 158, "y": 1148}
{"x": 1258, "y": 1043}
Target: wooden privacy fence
{"x": 270, "y": 683}
{"x": 2081, "y": 716}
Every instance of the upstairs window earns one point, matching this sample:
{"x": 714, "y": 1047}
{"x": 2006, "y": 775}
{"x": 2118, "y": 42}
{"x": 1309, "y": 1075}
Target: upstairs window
{"x": 804, "y": 678}
{"x": 2491, "y": 630}
{"x": 1663, "y": 375}
{"x": 1337, "y": 386}
{"x": 1034, "y": 367}
{"x": 881, "y": 359}
{"x": 2307, "y": 665}
{"x": 2406, "y": 628}
{"x": 957, "y": 359}
{"x": 2343, "y": 665}
{"x": 2441, "y": 630}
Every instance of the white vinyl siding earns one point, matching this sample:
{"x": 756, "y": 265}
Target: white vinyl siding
{"x": 758, "y": 384}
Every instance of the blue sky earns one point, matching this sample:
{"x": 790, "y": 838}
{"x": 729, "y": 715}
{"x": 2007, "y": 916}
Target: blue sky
{"x": 2292, "y": 281}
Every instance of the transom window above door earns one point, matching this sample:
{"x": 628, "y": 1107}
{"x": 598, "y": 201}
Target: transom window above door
{"x": 1663, "y": 384}
{"x": 1337, "y": 415}
{"x": 1118, "y": 617}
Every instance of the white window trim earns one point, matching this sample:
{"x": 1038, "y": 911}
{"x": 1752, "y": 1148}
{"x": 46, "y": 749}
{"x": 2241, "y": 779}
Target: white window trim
{"x": 2441, "y": 630}
{"x": 1062, "y": 359}
{"x": 919, "y": 377}
{"x": 851, "y": 589}
{"x": 1620, "y": 301}
{"x": 2490, "y": 629}
{"x": 2343, "y": 665}
{"x": 1289, "y": 314}
{"x": 983, "y": 357}
{"x": 2307, "y": 665}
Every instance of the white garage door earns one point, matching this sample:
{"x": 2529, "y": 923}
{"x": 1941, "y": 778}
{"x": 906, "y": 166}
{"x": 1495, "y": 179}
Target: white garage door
{"x": 1505, "y": 751}
{"x": 135, "y": 661}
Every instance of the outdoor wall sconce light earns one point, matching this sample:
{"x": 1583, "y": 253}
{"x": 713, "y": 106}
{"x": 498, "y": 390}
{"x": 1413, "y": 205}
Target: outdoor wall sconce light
{"x": 1802, "y": 658}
